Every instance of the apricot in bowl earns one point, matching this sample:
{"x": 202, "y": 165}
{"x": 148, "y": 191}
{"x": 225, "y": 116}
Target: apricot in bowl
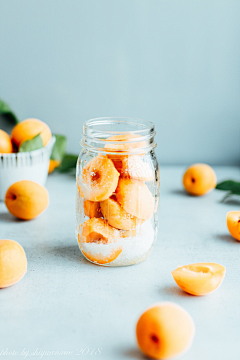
{"x": 200, "y": 278}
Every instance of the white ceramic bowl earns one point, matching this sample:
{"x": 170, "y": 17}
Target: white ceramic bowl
{"x": 31, "y": 165}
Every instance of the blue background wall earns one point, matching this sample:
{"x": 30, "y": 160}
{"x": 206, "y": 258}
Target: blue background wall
{"x": 176, "y": 63}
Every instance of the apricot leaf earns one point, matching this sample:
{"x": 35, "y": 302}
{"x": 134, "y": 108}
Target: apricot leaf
{"x": 59, "y": 147}
{"x": 32, "y": 144}
{"x": 233, "y": 188}
{"x": 69, "y": 162}
{"x": 7, "y": 113}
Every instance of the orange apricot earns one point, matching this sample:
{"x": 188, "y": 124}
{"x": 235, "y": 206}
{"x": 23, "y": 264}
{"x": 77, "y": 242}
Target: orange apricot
{"x": 30, "y": 128}
{"x": 53, "y": 164}
{"x": 92, "y": 209}
{"x": 98, "y": 230}
{"x": 199, "y": 179}
{"x": 233, "y": 224}
{"x": 5, "y": 143}
{"x": 134, "y": 168}
{"x": 102, "y": 259}
{"x": 99, "y": 179}
{"x": 26, "y": 199}
{"x": 117, "y": 216}
{"x": 200, "y": 278}
{"x": 135, "y": 197}
{"x": 123, "y": 143}
{"x": 13, "y": 263}
{"x": 164, "y": 331}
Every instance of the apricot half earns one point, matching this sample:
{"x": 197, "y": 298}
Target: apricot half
{"x": 233, "y": 224}
{"x": 26, "y": 199}
{"x": 30, "y": 128}
{"x": 122, "y": 143}
{"x": 99, "y": 231}
{"x": 164, "y": 331}
{"x": 102, "y": 259}
{"x": 199, "y": 179}
{"x": 13, "y": 263}
{"x": 5, "y": 143}
{"x": 92, "y": 209}
{"x": 200, "y": 278}
{"x": 117, "y": 216}
{"x": 99, "y": 179}
{"x": 135, "y": 197}
{"x": 135, "y": 168}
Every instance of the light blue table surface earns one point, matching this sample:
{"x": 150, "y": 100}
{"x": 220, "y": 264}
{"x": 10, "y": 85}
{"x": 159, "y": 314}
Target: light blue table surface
{"x": 65, "y": 303}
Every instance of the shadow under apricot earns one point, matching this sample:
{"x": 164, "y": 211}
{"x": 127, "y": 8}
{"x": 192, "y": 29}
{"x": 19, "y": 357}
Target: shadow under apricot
{"x": 226, "y": 238}
{"x": 133, "y": 353}
{"x": 7, "y": 217}
{"x": 175, "y": 291}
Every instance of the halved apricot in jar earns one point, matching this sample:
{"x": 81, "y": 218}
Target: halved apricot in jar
{"x": 233, "y": 224}
{"x": 135, "y": 168}
{"x": 102, "y": 259}
{"x": 92, "y": 209}
{"x": 98, "y": 231}
{"x": 117, "y": 216}
{"x": 200, "y": 278}
{"x": 135, "y": 197}
{"x": 123, "y": 143}
{"x": 99, "y": 179}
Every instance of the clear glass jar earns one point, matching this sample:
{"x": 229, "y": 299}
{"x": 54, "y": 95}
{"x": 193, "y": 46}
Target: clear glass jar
{"x": 118, "y": 181}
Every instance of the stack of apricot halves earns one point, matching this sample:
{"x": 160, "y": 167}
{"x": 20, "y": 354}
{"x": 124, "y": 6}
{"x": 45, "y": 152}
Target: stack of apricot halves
{"x": 116, "y": 198}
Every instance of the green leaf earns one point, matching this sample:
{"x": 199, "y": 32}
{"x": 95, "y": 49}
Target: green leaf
{"x": 229, "y": 185}
{"x": 7, "y": 113}
{"x": 32, "y": 144}
{"x": 69, "y": 162}
{"x": 59, "y": 147}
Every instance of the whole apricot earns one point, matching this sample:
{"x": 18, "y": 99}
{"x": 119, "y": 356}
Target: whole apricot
{"x": 233, "y": 224}
{"x": 53, "y": 164}
{"x": 30, "y": 128}
{"x": 164, "y": 331}
{"x": 200, "y": 278}
{"x": 26, "y": 199}
{"x": 13, "y": 263}
{"x": 199, "y": 179}
{"x": 5, "y": 143}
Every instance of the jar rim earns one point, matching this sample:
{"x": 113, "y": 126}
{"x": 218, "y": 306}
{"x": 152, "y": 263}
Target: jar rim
{"x": 94, "y": 136}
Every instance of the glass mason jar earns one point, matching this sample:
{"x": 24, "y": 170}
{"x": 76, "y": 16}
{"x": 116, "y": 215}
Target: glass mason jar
{"x": 118, "y": 181}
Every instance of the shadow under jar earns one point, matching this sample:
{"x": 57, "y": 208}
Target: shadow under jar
{"x": 117, "y": 191}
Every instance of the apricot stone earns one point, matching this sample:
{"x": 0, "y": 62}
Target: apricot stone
{"x": 164, "y": 331}
{"x": 5, "y": 143}
{"x": 26, "y": 199}
{"x": 13, "y": 263}
{"x": 199, "y": 179}
{"x": 30, "y": 128}
{"x": 233, "y": 224}
{"x": 200, "y": 278}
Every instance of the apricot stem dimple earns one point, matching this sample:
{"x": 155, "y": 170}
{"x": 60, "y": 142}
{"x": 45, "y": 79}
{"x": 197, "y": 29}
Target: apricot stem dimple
{"x": 155, "y": 339}
{"x": 193, "y": 180}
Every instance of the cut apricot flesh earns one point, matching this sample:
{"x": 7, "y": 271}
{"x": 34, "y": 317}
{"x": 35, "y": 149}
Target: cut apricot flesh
{"x": 98, "y": 231}
{"x": 117, "y": 216}
{"x": 101, "y": 259}
{"x": 164, "y": 331}
{"x": 135, "y": 197}
{"x": 135, "y": 168}
{"x": 233, "y": 224}
{"x": 200, "y": 278}
{"x": 123, "y": 143}
{"x": 92, "y": 209}
{"x": 99, "y": 179}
